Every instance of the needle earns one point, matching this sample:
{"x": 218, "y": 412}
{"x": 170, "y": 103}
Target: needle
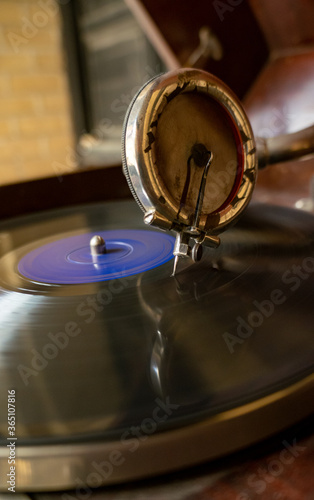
{"x": 175, "y": 263}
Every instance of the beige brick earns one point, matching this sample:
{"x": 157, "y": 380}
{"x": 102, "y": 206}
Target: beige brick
{"x": 56, "y": 103}
{"x": 34, "y": 2}
{"x": 16, "y": 106}
{"x": 5, "y": 88}
{"x": 13, "y": 43}
{"x": 46, "y": 41}
{"x": 27, "y": 149}
{"x": 37, "y": 83}
{"x": 39, "y": 168}
{"x": 5, "y": 129}
{"x": 38, "y": 126}
{"x": 12, "y": 12}
{"x": 3, "y": 41}
{"x": 39, "y": 15}
{"x": 49, "y": 62}
{"x": 16, "y": 63}
{"x": 60, "y": 146}
{"x": 9, "y": 174}
{"x": 35, "y": 120}
{"x": 6, "y": 150}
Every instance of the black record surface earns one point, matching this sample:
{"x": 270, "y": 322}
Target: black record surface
{"x": 91, "y": 362}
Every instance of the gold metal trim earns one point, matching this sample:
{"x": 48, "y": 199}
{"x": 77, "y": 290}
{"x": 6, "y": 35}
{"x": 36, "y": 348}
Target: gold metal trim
{"x": 145, "y": 110}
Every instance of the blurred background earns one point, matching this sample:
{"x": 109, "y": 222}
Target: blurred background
{"x": 67, "y": 69}
{"x": 36, "y": 125}
{"x": 70, "y": 68}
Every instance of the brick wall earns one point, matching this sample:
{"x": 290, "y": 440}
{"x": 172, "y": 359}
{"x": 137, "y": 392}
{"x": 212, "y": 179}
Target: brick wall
{"x": 36, "y": 135}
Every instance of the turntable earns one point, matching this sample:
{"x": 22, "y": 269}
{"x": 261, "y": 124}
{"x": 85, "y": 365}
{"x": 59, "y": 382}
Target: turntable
{"x": 132, "y": 349}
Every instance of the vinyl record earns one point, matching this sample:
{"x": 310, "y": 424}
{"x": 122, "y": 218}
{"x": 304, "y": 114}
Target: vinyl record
{"x": 112, "y": 375}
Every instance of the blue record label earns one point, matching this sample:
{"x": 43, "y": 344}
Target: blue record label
{"x": 69, "y": 260}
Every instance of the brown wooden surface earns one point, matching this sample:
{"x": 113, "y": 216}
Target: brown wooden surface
{"x": 282, "y": 101}
{"x": 280, "y": 469}
{"x": 287, "y": 23}
{"x": 88, "y": 186}
{"x": 178, "y": 24}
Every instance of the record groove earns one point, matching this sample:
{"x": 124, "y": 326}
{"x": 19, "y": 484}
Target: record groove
{"x": 92, "y": 361}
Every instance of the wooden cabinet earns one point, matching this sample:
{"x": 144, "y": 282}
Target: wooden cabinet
{"x": 174, "y": 29}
